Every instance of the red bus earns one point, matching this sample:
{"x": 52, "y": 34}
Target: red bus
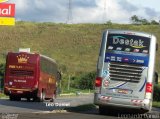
{"x": 29, "y": 76}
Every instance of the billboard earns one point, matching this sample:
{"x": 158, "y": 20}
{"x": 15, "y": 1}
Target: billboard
{"x": 7, "y": 13}
{"x": 7, "y": 10}
{"x": 7, "y": 21}
{"x": 3, "y": 1}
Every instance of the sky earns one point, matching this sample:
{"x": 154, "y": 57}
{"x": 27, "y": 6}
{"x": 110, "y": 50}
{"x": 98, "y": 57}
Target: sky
{"x": 86, "y": 11}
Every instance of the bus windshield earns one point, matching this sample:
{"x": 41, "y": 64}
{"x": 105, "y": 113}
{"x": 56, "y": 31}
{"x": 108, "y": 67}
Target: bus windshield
{"x": 128, "y": 43}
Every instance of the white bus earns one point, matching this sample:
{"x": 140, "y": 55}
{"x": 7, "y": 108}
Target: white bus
{"x": 125, "y": 71}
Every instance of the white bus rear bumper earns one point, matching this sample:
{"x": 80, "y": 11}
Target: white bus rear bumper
{"x": 100, "y": 100}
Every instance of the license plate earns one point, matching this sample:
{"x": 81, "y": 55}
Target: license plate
{"x": 123, "y": 91}
{"x": 19, "y": 91}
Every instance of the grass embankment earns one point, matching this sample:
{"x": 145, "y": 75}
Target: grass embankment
{"x": 74, "y": 46}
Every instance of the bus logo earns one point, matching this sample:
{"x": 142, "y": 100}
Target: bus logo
{"x": 22, "y": 58}
{"x": 128, "y": 42}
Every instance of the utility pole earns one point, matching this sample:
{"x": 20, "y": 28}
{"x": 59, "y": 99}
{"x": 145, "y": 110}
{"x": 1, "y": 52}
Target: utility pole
{"x": 69, "y": 16}
{"x": 104, "y": 12}
{"x": 69, "y": 82}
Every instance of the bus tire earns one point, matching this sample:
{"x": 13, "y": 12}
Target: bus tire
{"x": 17, "y": 98}
{"x": 36, "y": 99}
{"x": 102, "y": 110}
{"x": 28, "y": 99}
{"x": 52, "y": 99}
{"x": 11, "y": 98}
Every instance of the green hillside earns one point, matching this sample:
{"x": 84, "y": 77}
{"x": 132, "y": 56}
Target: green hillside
{"x": 75, "y": 47}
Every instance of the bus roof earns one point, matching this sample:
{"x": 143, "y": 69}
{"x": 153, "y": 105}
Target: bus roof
{"x": 26, "y": 53}
{"x": 48, "y": 58}
{"x": 129, "y": 32}
{"x": 22, "y": 57}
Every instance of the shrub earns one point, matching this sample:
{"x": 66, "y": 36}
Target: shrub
{"x": 87, "y": 80}
{"x": 2, "y": 67}
{"x": 156, "y": 93}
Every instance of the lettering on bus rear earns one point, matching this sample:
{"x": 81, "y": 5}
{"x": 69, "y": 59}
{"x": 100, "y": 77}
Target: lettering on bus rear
{"x": 131, "y": 42}
{"x": 128, "y": 43}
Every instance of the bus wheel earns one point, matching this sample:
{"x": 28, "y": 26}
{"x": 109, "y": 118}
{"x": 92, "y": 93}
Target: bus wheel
{"x": 11, "y": 98}
{"x": 28, "y": 99}
{"x": 17, "y": 98}
{"x": 102, "y": 110}
{"x": 52, "y": 99}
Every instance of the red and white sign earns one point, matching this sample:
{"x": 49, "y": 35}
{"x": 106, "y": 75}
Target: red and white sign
{"x": 7, "y": 10}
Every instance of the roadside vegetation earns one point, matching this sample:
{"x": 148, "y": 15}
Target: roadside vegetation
{"x": 3, "y": 96}
{"x": 156, "y": 104}
{"x": 156, "y": 96}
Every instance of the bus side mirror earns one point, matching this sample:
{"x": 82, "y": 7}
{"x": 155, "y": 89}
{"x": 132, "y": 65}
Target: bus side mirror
{"x": 59, "y": 76}
{"x": 156, "y": 77}
{"x": 156, "y": 46}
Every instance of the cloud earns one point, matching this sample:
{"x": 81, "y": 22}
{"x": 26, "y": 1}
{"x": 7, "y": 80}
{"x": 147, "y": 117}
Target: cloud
{"x": 84, "y": 3}
{"x": 151, "y": 12}
{"x": 40, "y": 10}
{"x": 50, "y": 10}
{"x": 94, "y": 11}
{"x": 21, "y": 6}
{"x": 101, "y": 12}
{"x": 116, "y": 12}
{"x": 127, "y": 6}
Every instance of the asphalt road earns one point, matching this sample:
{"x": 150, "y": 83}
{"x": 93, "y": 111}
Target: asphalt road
{"x": 34, "y": 107}
{"x": 46, "y": 110}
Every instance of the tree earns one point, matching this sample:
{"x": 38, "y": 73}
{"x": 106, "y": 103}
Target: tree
{"x": 109, "y": 22}
{"x": 2, "y": 68}
{"x": 87, "y": 80}
{"x": 144, "y": 21}
{"x": 153, "y": 22}
{"x": 135, "y": 19}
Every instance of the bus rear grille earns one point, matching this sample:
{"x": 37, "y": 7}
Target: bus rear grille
{"x": 125, "y": 72}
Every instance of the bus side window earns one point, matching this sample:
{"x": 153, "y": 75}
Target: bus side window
{"x": 156, "y": 77}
